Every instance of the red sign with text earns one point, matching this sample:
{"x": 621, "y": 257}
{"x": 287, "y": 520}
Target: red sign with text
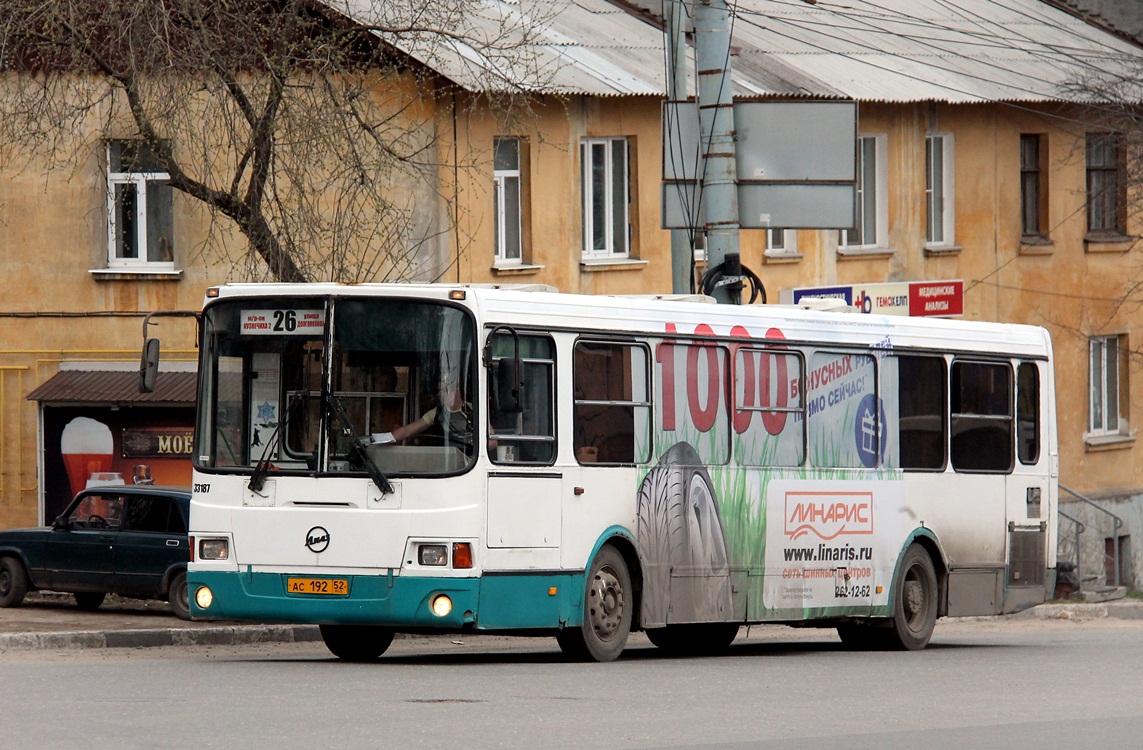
{"x": 936, "y": 298}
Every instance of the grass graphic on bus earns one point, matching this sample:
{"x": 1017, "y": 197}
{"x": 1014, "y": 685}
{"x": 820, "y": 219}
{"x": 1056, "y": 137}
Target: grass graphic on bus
{"x": 737, "y": 521}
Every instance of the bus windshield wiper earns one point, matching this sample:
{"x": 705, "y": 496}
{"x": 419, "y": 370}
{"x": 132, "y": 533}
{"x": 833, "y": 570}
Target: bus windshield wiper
{"x": 357, "y": 449}
{"x": 262, "y": 468}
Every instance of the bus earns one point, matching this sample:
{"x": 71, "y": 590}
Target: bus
{"x": 399, "y": 458}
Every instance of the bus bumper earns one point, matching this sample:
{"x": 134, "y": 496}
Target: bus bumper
{"x": 399, "y": 601}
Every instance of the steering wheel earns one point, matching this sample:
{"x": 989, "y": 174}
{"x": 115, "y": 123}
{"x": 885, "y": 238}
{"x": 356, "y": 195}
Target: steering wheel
{"x": 95, "y": 521}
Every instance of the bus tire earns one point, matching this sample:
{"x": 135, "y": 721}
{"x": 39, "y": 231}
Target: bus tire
{"x": 679, "y": 527}
{"x": 13, "y": 582}
{"x": 607, "y": 609}
{"x": 863, "y": 637}
{"x": 356, "y": 643}
{"x": 703, "y": 639}
{"x": 89, "y": 601}
{"x": 914, "y": 602}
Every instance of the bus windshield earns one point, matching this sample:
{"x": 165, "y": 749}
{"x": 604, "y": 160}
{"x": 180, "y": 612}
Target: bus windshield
{"x": 291, "y": 385}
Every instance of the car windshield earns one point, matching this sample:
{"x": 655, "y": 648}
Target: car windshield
{"x": 297, "y": 384}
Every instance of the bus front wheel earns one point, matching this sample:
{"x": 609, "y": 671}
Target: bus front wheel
{"x": 915, "y": 601}
{"x": 356, "y": 642}
{"x": 606, "y": 611}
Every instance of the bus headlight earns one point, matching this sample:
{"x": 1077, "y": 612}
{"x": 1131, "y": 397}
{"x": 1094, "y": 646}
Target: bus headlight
{"x": 203, "y": 597}
{"x": 433, "y": 554}
{"x": 213, "y": 549}
{"x": 441, "y": 605}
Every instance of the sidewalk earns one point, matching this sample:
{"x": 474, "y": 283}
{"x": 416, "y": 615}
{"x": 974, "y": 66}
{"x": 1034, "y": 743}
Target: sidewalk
{"x": 52, "y": 621}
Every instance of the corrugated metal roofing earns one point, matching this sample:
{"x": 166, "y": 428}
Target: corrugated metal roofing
{"x": 115, "y": 387}
{"x": 880, "y": 50}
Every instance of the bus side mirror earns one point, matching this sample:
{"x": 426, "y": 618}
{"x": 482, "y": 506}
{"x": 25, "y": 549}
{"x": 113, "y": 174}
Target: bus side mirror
{"x": 149, "y": 366}
{"x": 508, "y": 372}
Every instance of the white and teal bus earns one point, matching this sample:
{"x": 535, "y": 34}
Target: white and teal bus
{"x": 398, "y": 458}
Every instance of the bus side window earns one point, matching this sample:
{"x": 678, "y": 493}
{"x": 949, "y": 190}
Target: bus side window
{"x": 1028, "y": 413}
{"x": 526, "y": 436}
{"x": 982, "y": 416}
{"x": 612, "y": 410}
{"x": 922, "y": 412}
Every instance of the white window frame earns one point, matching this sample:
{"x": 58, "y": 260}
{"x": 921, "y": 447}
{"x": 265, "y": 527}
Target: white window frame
{"x": 611, "y": 221}
{"x": 505, "y": 255}
{"x": 939, "y": 199}
{"x": 1105, "y": 375}
{"x": 879, "y": 174}
{"x": 787, "y": 243}
{"x": 139, "y": 181}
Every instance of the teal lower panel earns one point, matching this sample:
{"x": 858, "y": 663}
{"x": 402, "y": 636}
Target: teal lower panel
{"x": 503, "y": 602}
{"x": 523, "y": 602}
{"x": 372, "y": 600}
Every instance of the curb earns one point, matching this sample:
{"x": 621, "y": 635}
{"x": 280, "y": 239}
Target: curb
{"x": 209, "y": 636}
{"x": 1119, "y": 609}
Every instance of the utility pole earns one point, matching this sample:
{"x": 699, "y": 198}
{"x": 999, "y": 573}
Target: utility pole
{"x": 682, "y": 247}
{"x": 719, "y": 181}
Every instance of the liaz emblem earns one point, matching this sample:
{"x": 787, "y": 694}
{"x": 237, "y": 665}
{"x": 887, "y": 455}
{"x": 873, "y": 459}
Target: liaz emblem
{"x": 317, "y": 539}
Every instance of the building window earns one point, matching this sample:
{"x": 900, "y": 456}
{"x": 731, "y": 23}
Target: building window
{"x": 1106, "y": 198}
{"x": 604, "y": 183}
{"x": 781, "y": 243}
{"x": 507, "y": 200}
{"x": 939, "y": 215}
{"x": 1033, "y": 187}
{"x": 140, "y": 219}
{"x": 871, "y": 213}
{"x": 1106, "y": 393}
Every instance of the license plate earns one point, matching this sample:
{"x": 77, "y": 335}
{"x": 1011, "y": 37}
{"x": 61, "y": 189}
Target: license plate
{"x": 332, "y": 586}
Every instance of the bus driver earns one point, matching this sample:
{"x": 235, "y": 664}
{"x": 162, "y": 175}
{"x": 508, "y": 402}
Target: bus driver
{"x": 453, "y": 416}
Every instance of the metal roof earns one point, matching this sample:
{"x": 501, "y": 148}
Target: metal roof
{"x": 868, "y": 50}
{"x": 115, "y": 387}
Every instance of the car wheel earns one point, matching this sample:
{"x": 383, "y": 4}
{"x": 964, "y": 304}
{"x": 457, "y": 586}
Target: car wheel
{"x": 606, "y": 611}
{"x": 179, "y": 597}
{"x": 359, "y": 643}
{"x": 13, "y": 582}
{"x": 89, "y": 600}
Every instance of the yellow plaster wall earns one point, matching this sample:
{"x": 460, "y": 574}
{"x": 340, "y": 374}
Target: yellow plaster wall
{"x": 1069, "y": 287}
{"x": 52, "y": 232}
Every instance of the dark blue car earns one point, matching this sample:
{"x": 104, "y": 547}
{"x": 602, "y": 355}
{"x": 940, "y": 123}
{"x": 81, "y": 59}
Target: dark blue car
{"x": 128, "y": 540}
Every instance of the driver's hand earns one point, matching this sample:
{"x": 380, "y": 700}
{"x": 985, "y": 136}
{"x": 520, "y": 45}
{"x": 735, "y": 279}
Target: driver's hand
{"x": 381, "y": 438}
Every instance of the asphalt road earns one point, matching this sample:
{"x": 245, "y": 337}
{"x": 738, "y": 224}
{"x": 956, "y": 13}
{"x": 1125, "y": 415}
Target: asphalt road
{"x": 1061, "y": 682}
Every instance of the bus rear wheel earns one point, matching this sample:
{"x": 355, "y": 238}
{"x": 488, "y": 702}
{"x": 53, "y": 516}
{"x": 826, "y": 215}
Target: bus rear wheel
{"x": 863, "y": 637}
{"x": 357, "y": 643}
{"x": 694, "y": 640}
{"x": 914, "y": 602}
{"x": 606, "y": 612}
